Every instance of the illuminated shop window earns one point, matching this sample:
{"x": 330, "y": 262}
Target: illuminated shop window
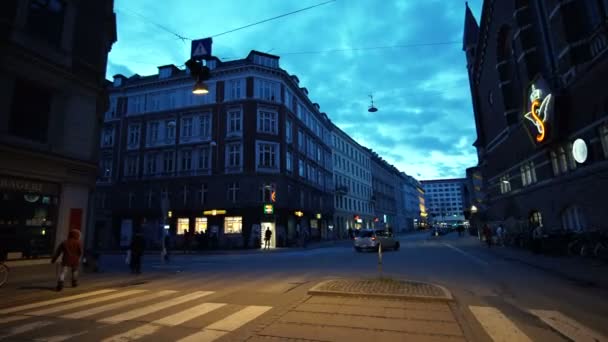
{"x": 233, "y": 225}
{"x": 200, "y": 225}
{"x": 536, "y": 218}
{"x": 183, "y": 225}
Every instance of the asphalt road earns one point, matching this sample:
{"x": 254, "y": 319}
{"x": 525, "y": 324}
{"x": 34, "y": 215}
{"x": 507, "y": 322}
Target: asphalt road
{"x": 229, "y": 297}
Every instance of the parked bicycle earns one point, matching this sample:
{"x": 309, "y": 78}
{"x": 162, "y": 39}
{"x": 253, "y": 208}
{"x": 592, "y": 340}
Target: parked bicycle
{"x": 4, "y": 271}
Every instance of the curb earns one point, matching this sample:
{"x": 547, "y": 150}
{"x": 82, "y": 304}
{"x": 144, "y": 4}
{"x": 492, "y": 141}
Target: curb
{"x": 316, "y": 290}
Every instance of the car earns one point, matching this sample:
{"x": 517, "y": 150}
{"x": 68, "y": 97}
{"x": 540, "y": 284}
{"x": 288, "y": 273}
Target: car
{"x": 371, "y": 239}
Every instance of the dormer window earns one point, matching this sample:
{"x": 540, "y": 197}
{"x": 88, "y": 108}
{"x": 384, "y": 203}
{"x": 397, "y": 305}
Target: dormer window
{"x": 266, "y": 61}
{"x": 164, "y": 73}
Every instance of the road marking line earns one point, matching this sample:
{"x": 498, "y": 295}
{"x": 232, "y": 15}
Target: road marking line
{"x": 568, "y": 327}
{"x": 153, "y": 308}
{"x": 468, "y": 255}
{"x": 171, "y": 321}
{"x": 226, "y": 325}
{"x": 64, "y": 307}
{"x": 53, "y": 301}
{"x": 108, "y": 307}
{"x": 25, "y": 328}
{"x": 497, "y": 325}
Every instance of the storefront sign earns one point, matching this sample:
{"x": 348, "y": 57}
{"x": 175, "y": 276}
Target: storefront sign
{"x": 540, "y": 104}
{"x": 76, "y": 218}
{"x": 299, "y": 213}
{"x": 13, "y": 184}
{"x": 214, "y": 212}
{"x": 268, "y": 209}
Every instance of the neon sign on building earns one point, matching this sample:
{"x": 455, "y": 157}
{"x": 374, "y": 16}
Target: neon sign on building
{"x": 540, "y": 104}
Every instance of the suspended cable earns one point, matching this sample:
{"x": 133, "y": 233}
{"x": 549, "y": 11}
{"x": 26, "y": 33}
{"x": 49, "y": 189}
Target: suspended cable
{"x": 367, "y": 48}
{"x": 162, "y": 27}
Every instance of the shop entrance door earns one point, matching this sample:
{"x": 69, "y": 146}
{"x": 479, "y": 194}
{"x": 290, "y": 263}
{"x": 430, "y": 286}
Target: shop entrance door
{"x": 273, "y": 237}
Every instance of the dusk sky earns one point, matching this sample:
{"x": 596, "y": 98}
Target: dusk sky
{"x": 424, "y": 125}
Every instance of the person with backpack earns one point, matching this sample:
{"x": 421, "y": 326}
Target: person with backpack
{"x": 70, "y": 251}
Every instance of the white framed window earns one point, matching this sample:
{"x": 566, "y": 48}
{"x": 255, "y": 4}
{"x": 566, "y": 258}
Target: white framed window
{"x": 170, "y": 130}
{"x": 233, "y": 192}
{"x": 168, "y": 161}
{"x": 234, "y": 157}
{"x": 204, "y": 126}
{"x": 267, "y": 122}
{"x": 186, "y": 129}
{"x": 233, "y": 225}
{"x": 183, "y": 225}
{"x": 107, "y": 137}
{"x": 200, "y": 225}
{"x": 288, "y": 161}
{"x": 131, "y": 166}
{"x": 604, "y": 139}
{"x": 235, "y": 122}
{"x": 267, "y": 155}
{"x": 134, "y": 133}
{"x": 234, "y": 89}
{"x": 151, "y": 163}
{"x": 153, "y": 132}
{"x": 301, "y": 168}
{"x": 288, "y": 131}
{"x": 186, "y": 160}
{"x": 266, "y": 90}
{"x": 204, "y": 158}
{"x": 505, "y": 184}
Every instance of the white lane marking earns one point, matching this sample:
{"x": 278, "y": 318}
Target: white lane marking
{"x": 12, "y": 319}
{"x": 53, "y": 301}
{"x": 468, "y": 255}
{"x": 172, "y": 320}
{"x": 60, "y": 338}
{"x": 226, "y": 325}
{"x": 153, "y": 308}
{"x": 108, "y": 307}
{"x": 25, "y": 328}
{"x": 568, "y": 327}
{"x": 497, "y": 325}
{"x": 79, "y": 304}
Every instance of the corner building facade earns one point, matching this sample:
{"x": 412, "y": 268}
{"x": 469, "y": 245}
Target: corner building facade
{"x": 549, "y": 58}
{"x": 252, "y": 154}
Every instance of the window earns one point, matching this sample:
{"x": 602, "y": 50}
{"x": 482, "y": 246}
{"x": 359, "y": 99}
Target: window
{"x": 233, "y": 192}
{"x": 131, "y": 199}
{"x": 200, "y": 225}
{"x": 301, "y": 168}
{"x": 571, "y": 161}
{"x": 186, "y": 164}
{"x": 536, "y": 218}
{"x": 288, "y": 161}
{"x": 267, "y": 122}
{"x": 288, "y": 131}
{"x": 233, "y": 225}
{"x": 105, "y": 168}
{"x": 107, "y": 137}
{"x": 168, "y": 161}
{"x": 235, "y": 122}
{"x": 45, "y": 19}
{"x": 301, "y": 144}
{"x": 202, "y": 193}
{"x": 151, "y": 163}
{"x": 234, "y": 89}
{"x": 204, "y": 130}
{"x": 604, "y": 138}
{"x": 153, "y": 128}
{"x": 573, "y": 219}
{"x": 505, "y": 185}
{"x": 203, "y": 158}
{"x": 186, "y": 127}
{"x": 170, "y": 129}
{"x": 266, "y": 191}
{"x": 234, "y": 155}
{"x": 319, "y": 154}
{"x": 183, "y": 225}
{"x": 134, "y": 130}
{"x": 131, "y": 166}
{"x": 266, "y": 90}
{"x": 267, "y": 155}
{"x": 563, "y": 160}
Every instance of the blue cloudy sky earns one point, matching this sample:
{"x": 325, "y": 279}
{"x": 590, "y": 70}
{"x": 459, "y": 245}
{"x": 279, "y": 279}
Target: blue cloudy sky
{"x": 424, "y": 125}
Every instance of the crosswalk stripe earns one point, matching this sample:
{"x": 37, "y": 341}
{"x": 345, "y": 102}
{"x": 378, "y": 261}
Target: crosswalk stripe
{"x": 172, "y": 320}
{"x": 153, "y": 308}
{"x": 226, "y": 325}
{"x": 497, "y": 325}
{"x": 60, "y": 338}
{"x": 25, "y": 328}
{"x": 53, "y": 301}
{"x": 568, "y": 327}
{"x": 112, "y": 306}
{"x": 12, "y": 319}
{"x": 78, "y": 304}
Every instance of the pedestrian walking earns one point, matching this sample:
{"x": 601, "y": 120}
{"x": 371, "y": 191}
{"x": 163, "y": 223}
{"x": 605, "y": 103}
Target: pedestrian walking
{"x": 267, "y": 236}
{"x": 70, "y": 251}
{"x": 166, "y": 247}
{"x": 487, "y": 233}
{"x": 137, "y": 251}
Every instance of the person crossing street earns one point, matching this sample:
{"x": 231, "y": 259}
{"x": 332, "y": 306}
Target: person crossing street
{"x": 70, "y": 251}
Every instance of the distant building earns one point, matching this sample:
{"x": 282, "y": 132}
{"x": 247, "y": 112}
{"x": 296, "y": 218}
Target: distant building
{"x": 253, "y": 153}
{"x": 537, "y": 73}
{"x": 384, "y": 201}
{"x": 353, "y": 179}
{"x": 414, "y": 203}
{"x": 444, "y": 199}
{"x": 473, "y": 196}
{"x": 52, "y": 76}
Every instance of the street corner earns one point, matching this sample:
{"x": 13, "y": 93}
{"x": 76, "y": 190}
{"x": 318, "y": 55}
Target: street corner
{"x": 383, "y": 287}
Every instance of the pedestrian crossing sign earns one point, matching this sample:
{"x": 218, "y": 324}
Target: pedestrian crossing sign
{"x": 201, "y": 48}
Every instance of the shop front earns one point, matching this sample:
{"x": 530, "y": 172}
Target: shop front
{"x": 28, "y": 217}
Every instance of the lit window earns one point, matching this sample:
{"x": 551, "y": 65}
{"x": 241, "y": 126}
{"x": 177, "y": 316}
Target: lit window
{"x": 233, "y": 225}
{"x": 183, "y": 225}
{"x": 200, "y": 225}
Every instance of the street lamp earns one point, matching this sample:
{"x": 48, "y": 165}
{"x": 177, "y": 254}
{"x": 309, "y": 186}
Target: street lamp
{"x": 473, "y": 209}
{"x": 200, "y": 73}
{"x": 200, "y": 88}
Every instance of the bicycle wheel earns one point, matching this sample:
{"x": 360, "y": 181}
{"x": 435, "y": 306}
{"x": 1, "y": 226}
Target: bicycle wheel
{"x": 3, "y": 274}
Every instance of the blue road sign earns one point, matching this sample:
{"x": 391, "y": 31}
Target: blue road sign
{"x": 201, "y": 48}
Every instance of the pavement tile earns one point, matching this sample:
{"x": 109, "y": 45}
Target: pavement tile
{"x": 366, "y": 302}
{"x": 374, "y": 323}
{"x": 378, "y": 311}
{"x": 288, "y": 331}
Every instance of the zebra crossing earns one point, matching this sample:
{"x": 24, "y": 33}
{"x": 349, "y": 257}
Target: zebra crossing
{"x": 500, "y": 328}
{"x": 126, "y": 315}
